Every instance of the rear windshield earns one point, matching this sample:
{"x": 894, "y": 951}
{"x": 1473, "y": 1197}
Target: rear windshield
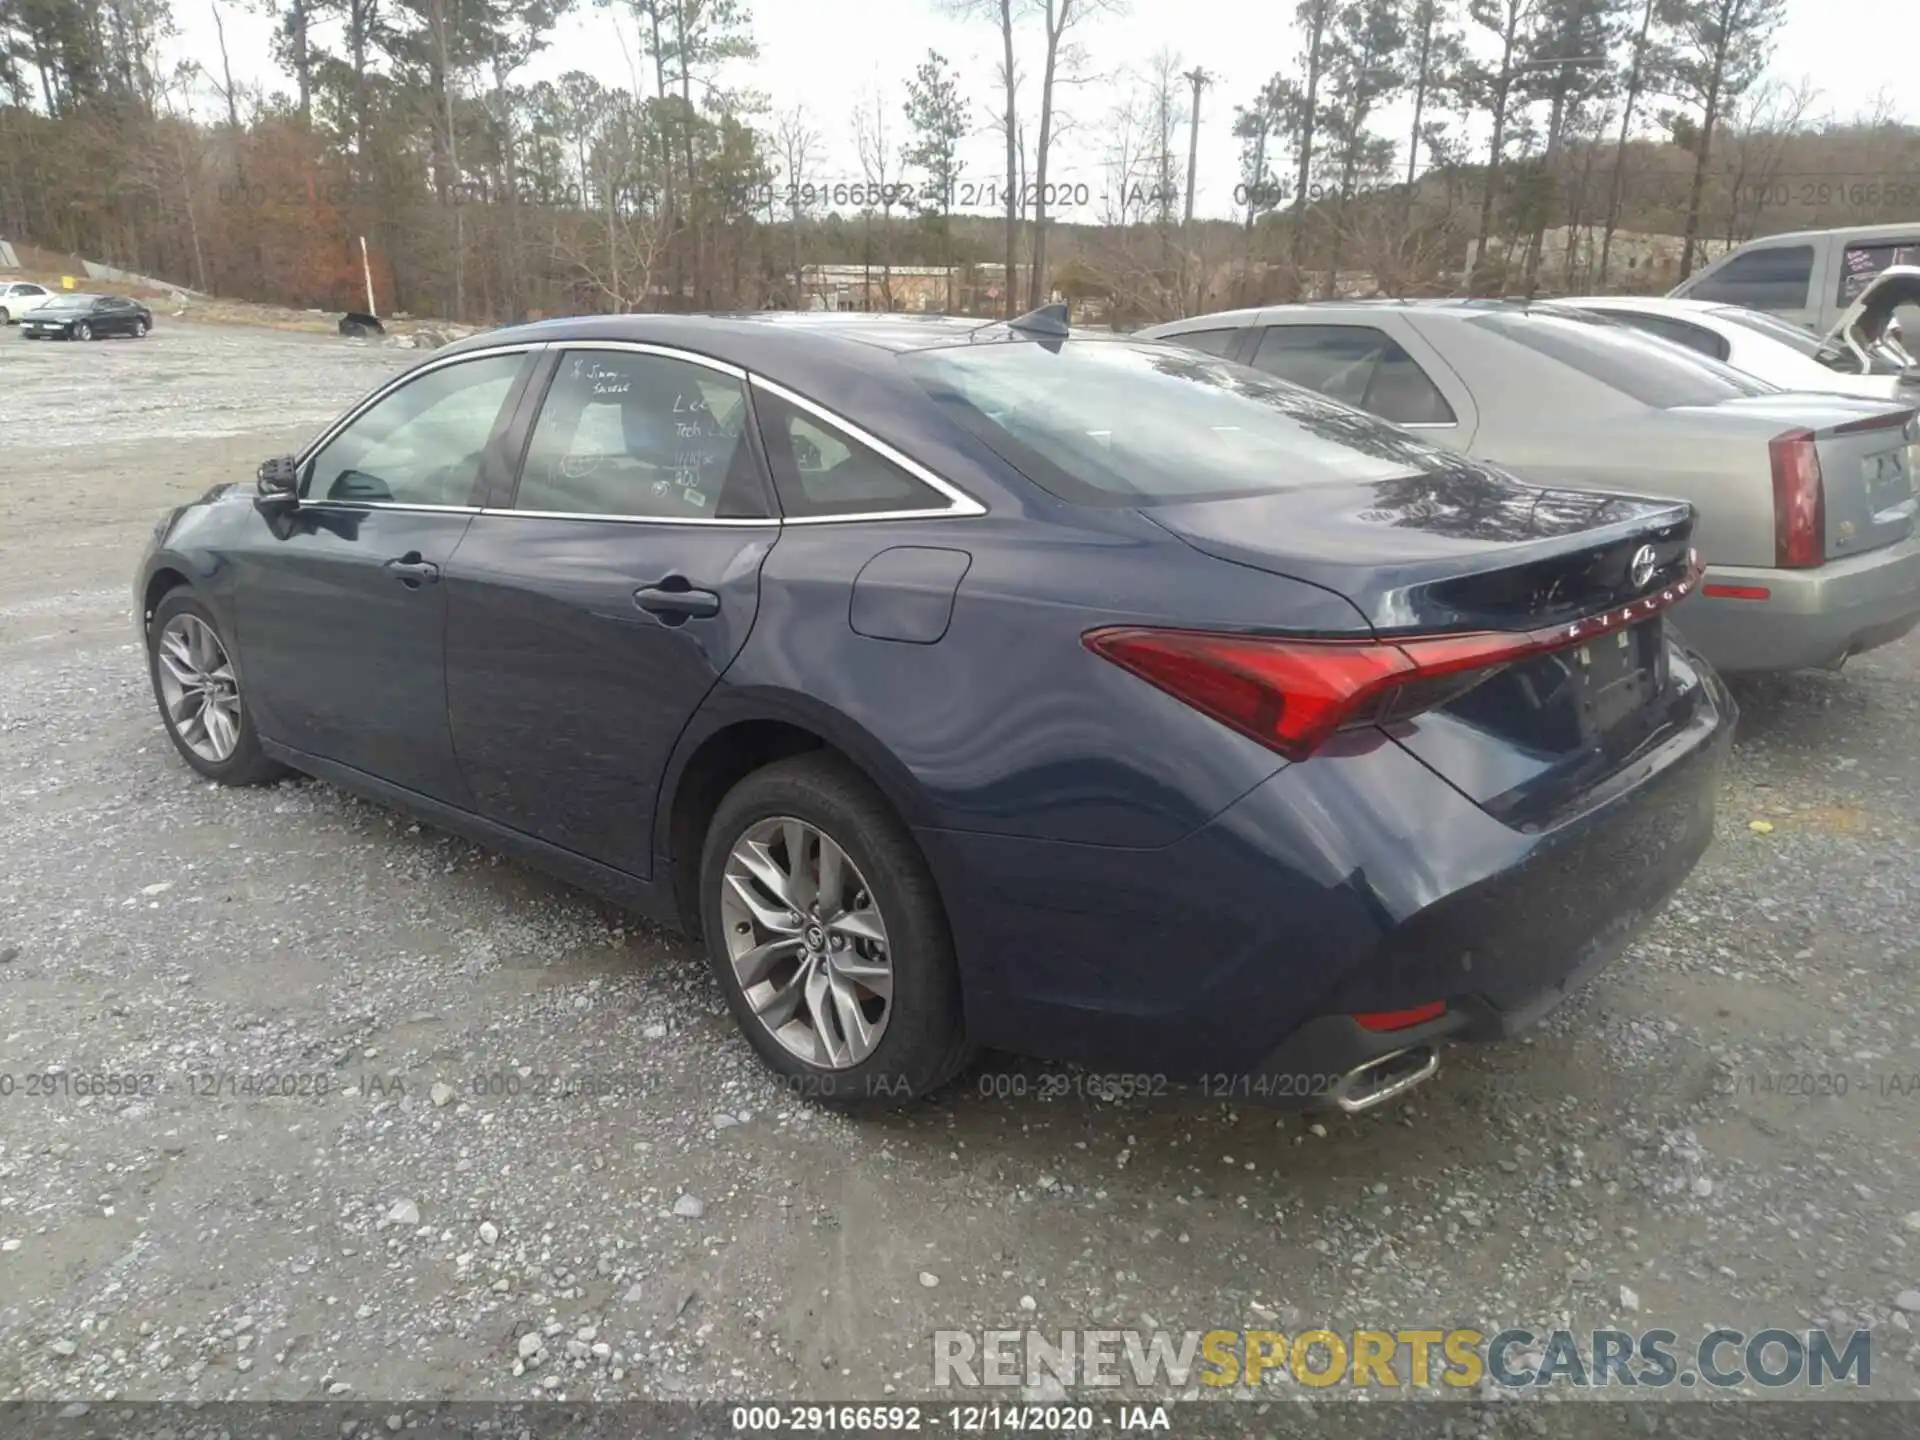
{"x": 1803, "y": 342}
{"x": 1644, "y": 367}
{"x": 1118, "y": 422}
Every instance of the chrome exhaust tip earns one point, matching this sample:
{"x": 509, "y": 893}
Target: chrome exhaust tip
{"x": 1380, "y": 1080}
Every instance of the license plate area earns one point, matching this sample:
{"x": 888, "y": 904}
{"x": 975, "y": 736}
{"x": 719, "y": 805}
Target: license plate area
{"x": 1616, "y": 675}
{"x": 1888, "y": 484}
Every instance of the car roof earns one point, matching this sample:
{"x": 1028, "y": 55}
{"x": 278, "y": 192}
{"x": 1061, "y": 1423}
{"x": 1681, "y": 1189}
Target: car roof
{"x": 1894, "y": 231}
{"x": 745, "y": 330}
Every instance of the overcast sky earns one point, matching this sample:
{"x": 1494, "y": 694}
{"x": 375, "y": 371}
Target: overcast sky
{"x": 828, "y": 58}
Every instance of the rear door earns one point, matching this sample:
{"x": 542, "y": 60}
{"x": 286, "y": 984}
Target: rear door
{"x": 595, "y": 602}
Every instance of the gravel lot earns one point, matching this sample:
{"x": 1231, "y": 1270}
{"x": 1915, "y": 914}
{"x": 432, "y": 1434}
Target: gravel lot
{"x": 697, "y": 1233}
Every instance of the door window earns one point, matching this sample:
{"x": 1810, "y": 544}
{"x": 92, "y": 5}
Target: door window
{"x": 642, "y": 436}
{"x": 1356, "y": 365}
{"x": 1776, "y": 278}
{"x": 819, "y": 470}
{"x": 420, "y": 445}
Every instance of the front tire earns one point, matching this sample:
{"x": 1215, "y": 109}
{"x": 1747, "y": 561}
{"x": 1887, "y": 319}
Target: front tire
{"x": 198, "y": 690}
{"x": 825, "y": 929}
{"x": 83, "y": 331}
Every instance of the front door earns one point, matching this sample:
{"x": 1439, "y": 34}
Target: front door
{"x": 341, "y": 609}
{"x": 589, "y": 617}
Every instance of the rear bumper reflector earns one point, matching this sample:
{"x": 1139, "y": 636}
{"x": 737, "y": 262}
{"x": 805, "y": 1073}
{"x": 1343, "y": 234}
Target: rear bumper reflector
{"x": 1401, "y": 1019}
{"x": 1737, "y": 592}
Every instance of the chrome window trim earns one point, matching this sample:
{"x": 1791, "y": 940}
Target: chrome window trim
{"x": 766, "y": 521}
{"x": 961, "y": 503}
{"x": 1428, "y": 424}
{"x": 388, "y": 505}
{"x": 404, "y": 377}
{"x": 647, "y": 347}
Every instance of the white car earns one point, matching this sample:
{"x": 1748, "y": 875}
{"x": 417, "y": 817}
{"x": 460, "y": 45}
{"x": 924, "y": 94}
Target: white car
{"x": 1852, "y": 360}
{"x": 19, "y": 296}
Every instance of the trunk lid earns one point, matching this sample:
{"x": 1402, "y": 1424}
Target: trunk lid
{"x": 1456, "y": 546}
{"x": 1466, "y": 548}
{"x": 1866, "y": 450}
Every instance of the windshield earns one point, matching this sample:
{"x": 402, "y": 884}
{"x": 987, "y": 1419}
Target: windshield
{"x": 1111, "y": 422}
{"x": 1644, "y": 367}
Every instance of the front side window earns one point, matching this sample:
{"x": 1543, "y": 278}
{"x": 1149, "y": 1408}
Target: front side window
{"x": 1776, "y": 278}
{"x": 1125, "y": 423}
{"x": 1356, "y": 365}
{"x": 420, "y": 445}
{"x": 1650, "y": 371}
{"x": 820, "y": 470}
{"x": 641, "y": 436}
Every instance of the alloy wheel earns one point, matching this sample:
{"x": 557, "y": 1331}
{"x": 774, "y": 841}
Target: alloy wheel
{"x": 83, "y": 331}
{"x": 198, "y": 687}
{"x": 807, "y": 942}
{"x": 139, "y": 329}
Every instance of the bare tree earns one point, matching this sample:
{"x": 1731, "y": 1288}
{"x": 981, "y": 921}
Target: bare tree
{"x": 1720, "y": 48}
{"x": 1057, "y": 17}
{"x": 796, "y": 151}
{"x": 883, "y": 165}
{"x": 1003, "y": 13}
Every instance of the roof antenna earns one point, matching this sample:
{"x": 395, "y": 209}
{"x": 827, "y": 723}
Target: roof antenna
{"x": 1048, "y": 320}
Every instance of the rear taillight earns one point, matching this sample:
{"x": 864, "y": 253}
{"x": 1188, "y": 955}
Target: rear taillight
{"x": 1292, "y": 694}
{"x": 1799, "y": 501}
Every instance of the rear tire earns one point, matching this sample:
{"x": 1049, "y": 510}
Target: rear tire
{"x": 185, "y": 644}
{"x": 816, "y": 1015}
{"x": 5, "y": 318}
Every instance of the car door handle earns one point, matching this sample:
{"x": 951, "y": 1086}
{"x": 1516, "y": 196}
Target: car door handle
{"x": 410, "y": 570}
{"x": 675, "y": 603}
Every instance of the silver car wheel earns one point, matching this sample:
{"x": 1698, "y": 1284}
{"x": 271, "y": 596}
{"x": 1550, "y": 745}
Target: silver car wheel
{"x": 807, "y": 942}
{"x": 198, "y": 688}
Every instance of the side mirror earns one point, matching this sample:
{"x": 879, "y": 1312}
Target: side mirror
{"x": 278, "y": 480}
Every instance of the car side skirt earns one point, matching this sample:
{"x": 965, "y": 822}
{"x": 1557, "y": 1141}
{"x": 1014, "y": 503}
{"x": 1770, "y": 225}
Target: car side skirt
{"x": 652, "y": 900}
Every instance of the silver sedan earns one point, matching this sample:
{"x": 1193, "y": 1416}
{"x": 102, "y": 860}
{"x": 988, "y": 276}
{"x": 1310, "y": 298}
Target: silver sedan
{"x": 1806, "y": 501}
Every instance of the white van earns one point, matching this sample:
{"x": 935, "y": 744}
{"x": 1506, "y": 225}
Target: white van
{"x": 1809, "y": 276}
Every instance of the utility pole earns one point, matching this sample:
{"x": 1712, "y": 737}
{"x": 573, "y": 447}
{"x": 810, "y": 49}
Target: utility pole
{"x": 1197, "y": 78}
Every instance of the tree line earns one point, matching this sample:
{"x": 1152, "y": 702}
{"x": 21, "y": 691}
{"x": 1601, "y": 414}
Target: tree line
{"x": 484, "y": 194}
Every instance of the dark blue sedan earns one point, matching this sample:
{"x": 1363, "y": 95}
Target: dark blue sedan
{"x": 976, "y": 686}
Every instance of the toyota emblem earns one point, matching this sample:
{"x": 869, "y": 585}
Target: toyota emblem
{"x": 1642, "y": 568}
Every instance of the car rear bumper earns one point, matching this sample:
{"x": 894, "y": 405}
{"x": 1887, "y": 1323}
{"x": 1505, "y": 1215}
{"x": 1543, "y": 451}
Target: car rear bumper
{"x": 1807, "y": 618}
{"x": 1354, "y": 883}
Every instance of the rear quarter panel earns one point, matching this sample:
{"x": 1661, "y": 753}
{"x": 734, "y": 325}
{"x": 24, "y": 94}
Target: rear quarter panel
{"x": 1008, "y": 724}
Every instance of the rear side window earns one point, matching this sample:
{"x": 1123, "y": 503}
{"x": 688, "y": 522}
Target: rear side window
{"x": 1114, "y": 422}
{"x": 1862, "y": 262}
{"x": 1695, "y": 337}
{"x": 1643, "y": 369}
{"x": 1212, "y": 342}
{"x": 1356, "y": 365}
{"x": 1776, "y": 278}
{"x": 820, "y": 470}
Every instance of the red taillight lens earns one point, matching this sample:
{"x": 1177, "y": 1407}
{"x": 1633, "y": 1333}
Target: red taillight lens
{"x": 1402, "y": 1019}
{"x": 1291, "y": 694}
{"x": 1799, "y": 501}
